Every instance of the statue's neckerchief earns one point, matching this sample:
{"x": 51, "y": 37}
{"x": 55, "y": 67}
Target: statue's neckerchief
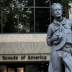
{"x": 63, "y": 24}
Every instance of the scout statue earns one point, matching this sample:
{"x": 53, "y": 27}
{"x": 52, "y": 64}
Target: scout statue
{"x": 59, "y": 37}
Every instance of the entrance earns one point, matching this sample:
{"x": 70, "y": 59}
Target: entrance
{"x": 24, "y": 67}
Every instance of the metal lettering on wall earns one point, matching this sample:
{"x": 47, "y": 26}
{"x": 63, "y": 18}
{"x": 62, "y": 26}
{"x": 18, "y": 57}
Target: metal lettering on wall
{"x": 24, "y": 58}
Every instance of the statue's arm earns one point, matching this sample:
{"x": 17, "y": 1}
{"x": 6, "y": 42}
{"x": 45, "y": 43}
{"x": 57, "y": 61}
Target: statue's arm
{"x": 49, "y": 35}
{"x": 53, "y": 36}
{"x": 70, "y": 23}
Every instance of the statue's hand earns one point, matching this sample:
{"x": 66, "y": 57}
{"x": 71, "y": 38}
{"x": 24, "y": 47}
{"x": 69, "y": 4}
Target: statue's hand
{"x": 55, "y": 37}
{"x": 57, "y": 41}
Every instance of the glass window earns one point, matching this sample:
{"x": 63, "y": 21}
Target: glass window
{"x": 55, "y": 1}
{"x": 42, "y": 3}
{"x": 22, "y": 3}
{"x": 19, "y": 21}
{"x": 42, "y": 19}
{"x": 26, "y": 16}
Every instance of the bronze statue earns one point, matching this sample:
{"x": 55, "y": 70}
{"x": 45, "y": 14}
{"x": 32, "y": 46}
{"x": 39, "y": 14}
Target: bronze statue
{"x": 59, "y": 37}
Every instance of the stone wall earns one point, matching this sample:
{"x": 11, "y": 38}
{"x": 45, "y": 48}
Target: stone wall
{"x": 15, "y": 44}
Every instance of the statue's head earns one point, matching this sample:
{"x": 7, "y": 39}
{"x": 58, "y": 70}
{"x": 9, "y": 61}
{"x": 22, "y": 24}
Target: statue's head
{"x": 56, "y": 9}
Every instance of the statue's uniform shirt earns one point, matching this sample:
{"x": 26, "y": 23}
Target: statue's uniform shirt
{"x": 68, "y": 34}
{"x": 62, "y": 28}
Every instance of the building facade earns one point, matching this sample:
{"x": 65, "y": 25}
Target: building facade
{"x": 23, "y": 27}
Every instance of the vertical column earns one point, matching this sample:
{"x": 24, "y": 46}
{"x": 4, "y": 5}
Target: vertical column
{"x": 34, "y": 17}
{"x": 1, "y": 19}
{"x": 20, "y": 69}
{"x": 3, "y": 68}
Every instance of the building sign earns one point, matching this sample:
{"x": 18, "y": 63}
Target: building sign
{"x": 43, "y": 57}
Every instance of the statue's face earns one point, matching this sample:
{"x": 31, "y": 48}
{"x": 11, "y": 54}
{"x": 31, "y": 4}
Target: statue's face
{"x": 57, "y": 10}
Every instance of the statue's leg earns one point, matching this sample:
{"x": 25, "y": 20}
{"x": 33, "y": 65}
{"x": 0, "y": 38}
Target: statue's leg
{"x": 56, "y": 61}
{"x": 68, "y": 62}
{"x": 50, "y": 69}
